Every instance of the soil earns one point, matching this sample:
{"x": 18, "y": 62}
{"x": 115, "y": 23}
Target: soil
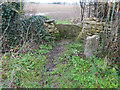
{"x": 52, "y": 58}
{"x": 55, "y": 52}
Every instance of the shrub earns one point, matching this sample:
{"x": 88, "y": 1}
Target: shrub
{"x": 17, "y": 30}
{"x": 34, "y": 27}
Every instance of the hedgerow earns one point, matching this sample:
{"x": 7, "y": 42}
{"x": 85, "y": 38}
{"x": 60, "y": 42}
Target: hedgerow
{"x": 17, "y": 29}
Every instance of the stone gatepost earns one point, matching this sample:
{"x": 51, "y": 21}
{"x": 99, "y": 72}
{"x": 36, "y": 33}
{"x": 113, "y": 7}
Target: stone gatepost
{"x": 91, "y": 45}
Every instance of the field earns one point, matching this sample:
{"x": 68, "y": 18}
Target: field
{"x": 57, "y": 12}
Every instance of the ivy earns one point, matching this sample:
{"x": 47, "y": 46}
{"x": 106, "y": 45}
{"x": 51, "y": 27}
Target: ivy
{"x": 17, "y": 30}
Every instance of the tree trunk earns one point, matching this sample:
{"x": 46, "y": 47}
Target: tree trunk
{"x": 119, "y": 33}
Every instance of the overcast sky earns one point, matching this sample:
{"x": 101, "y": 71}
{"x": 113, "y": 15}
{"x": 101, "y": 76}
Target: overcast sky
{"x": 69, "y": 1}
{"x": 50, "y": 1}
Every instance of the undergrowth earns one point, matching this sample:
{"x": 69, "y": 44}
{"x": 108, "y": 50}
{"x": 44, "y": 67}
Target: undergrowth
{"x": 28, "y": 70}
{"x": 77, "y": 72}
{"x": 24, "y": 70}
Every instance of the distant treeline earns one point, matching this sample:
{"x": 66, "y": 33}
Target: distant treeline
{"x": 64, "y": 3}
{"x": 56, "y": 3}
{"x": 60, "y": 3}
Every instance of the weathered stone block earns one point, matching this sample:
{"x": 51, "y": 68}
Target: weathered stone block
{"x": 51, "y": 30}
{"x": 68, "y": 30}
{"x": 91, "y": 46}
{"x": 91, "y": 19}
{"x": 94, "y": 23}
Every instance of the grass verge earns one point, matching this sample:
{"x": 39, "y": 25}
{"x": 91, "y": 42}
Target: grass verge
{"x": 28, "y": 70}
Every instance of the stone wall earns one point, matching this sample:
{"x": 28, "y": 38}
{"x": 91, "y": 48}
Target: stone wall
{"x": 51, "y": 30}
{"x": 68, "y": 30}
{"x": 90, "y": 34}
{"x": 92, "y": 26}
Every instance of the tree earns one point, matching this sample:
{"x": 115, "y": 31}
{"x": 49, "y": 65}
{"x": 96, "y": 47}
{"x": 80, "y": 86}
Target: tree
{"x": 56, "y": 3}
{"x": 82, "y": 5}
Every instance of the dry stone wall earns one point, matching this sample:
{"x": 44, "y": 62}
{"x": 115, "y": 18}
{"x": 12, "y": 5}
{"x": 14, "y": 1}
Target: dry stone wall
{"x": 51, "y": 30}
{"x": 68, "y": 30}
{"x": 90, "y": 34}
{"x": 92, "y": 26}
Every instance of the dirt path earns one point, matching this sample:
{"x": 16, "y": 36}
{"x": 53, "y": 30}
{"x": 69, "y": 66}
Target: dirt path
{"x": 55, "y": 52}
{"x": 52, "y": 58}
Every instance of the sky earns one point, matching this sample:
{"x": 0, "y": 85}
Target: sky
{"x": 69, "y": 1}
{"x": 50, "y": 1}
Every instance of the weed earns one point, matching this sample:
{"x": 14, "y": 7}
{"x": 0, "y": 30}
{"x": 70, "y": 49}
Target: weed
{"x": 82, "y": 73}
{"x": 28, "y": 70}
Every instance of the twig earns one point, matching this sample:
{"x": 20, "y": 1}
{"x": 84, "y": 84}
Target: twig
{"x": 5, "y": 30}
{"x": 96, "y": 17}
{"x": 28, "y": 31}
{"x": 117, "y": 27}
{"x": 26, "y": 37}
{"x": 105, "y": 27}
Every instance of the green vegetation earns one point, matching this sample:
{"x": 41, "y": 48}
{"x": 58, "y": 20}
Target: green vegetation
{"x": 47, "y": 17}
{"x": 35, "y": 28}
{"x": 17, "y": 30}
{"x": 25, "y": 69}
{"x": 31, "y": 60}
{"x": 80, "y": 73}
{"x": 77, "y": 72}
{"x": 9, "y": 22}
{"x": 29, "y": 70}
{"x": 63, "y": 22}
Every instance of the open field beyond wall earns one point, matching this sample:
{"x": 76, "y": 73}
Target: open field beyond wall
{"x": 57, "y": 12}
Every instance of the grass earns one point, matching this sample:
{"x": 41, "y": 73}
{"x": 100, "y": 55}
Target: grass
{"x": 77, "y": 72}
{"x": 63, "y": 22}
{"x": 28, "y": 70}
{"x": 83, "y": 74}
